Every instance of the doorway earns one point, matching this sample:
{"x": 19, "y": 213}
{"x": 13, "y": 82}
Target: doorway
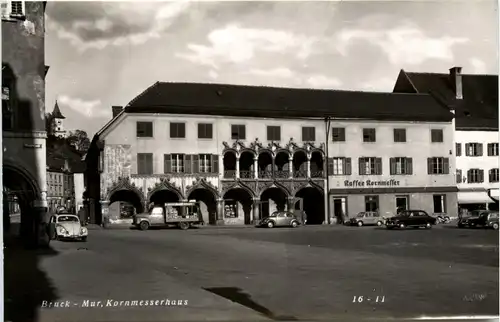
{"x": 402, "y": 203}
{"x": 340, "y": 208}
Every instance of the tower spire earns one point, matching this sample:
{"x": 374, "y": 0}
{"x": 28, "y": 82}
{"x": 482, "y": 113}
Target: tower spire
{"x": 56, "y": 113}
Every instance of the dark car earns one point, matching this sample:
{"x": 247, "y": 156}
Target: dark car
{"x": 411, "y": 218}
{"x": 480, "y": 218}
{"x": 279, "y": 219}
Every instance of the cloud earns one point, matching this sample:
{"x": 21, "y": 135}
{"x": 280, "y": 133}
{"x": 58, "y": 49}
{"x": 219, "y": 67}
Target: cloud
{"x": 478, "y": 66}
{"x": 213, "y": 74}
{"x": 91, "y": 109}
{"x": 234, "y": 44}
{"x": 405, "y": 44}
{"x": 98, "y": 25}
{"x": 383, "y": 84}
{"x": 321, "y": 81}
{"x": 276, "y": 72}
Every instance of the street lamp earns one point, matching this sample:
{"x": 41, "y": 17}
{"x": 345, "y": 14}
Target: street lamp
{"x": 327, "y": 192}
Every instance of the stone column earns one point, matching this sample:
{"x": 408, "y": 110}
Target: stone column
{"x": 237, "y": 174}
{"x": 220, "y": 212}
{"x": 308, "y": 167}
{"x": 290, "y": 167}
{"x": 256, "y": 210}
{"x": 41, "y": 220}
{"x": 290, "y": 204}
{"x": 105, "y": 212}
{"x": 256, "y": 167}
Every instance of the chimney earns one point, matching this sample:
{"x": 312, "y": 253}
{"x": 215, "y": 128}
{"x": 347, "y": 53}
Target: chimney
{"x": 456, "y": 81}
{"x": 116, "y": 110}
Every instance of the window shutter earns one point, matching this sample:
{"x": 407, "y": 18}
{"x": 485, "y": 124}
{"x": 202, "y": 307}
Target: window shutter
{"x": 481, "y": 176}
{"x": 140, "y": 163}
{"x": 167, "y": 163}
{"x": 467, "y": 149}
{"x": 469, "y": 176}
{"x": 392, "y": 166}
{"x": 459, "y": 176}
{"x": 209, "y": 131}
{"x": 215, "y": 163}
{"x": 330, "y": 166}
{"x": 242, "y": 133}
{"x": 458, "y": 149}
{"x": 409, "y": 166}
{"x": 361, "y": 166}
{"x": 378, "y": 166}
{"x": 149, "y": 163}
{"x": 195, "y": 161}
{"x": 429, "y": 165}
{"x": 269, "y": 133}
{"x": 480, "y": 150}
{"x": 277, "y": 134}
{"x": 490, "y": 149}
{"x": 348, "y": 167}
{"x": 446, "y": 166}
{"x": 187, "y": 163}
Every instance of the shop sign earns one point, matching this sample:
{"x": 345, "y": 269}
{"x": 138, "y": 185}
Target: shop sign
{"x": 371, "y": 183}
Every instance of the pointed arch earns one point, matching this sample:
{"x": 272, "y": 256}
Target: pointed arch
{"x": 124, "y": 184}
{"x": 202, "y": 183}
{"x": 165, "y": 184}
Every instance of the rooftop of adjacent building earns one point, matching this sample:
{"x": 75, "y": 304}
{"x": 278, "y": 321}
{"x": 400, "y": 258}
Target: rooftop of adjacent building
{"x": 63, "y": 157}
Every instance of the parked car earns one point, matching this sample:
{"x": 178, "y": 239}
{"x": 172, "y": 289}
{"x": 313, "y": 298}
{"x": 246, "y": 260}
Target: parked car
{"x": 67, "y": 226}
{"x": 366, "y": 218}
{"x": 279, "y": 219}
{"x": 181, "y": 214}
{"x": 480, "y": 218}
{"x": 411, "y": 218}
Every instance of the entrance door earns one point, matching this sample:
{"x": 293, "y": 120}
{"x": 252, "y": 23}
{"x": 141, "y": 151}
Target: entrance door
{"x": 401, "y": 203}
{"x": 339, "y": 208}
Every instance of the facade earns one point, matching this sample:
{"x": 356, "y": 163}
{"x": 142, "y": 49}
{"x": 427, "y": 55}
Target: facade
{"x": 474, "y": 101}
{"x": 23, "y": 110}
{"x": 246, "y": 151}
{"x": 60, "y": 187}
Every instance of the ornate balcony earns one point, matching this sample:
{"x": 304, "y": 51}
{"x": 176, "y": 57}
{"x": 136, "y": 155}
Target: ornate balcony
{"x": 318, "y": 174}
{"x": 265, "y": 174}
{"x": 300, "y": 174}
{"x": 280, "y": 174}
{"x": 246, "y": 175}
{"x": 230, "y": 174}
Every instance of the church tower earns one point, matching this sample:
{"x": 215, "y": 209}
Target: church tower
{"x": 58, "y": 122}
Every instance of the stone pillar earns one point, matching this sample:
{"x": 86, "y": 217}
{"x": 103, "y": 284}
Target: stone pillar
{"x": 308, "y": 167}
{"x": 256, "y": 210}
{"x": 237, "y": 174}
{"x": 220, "y": 212}
{"x": 290, "y": 204}
{"x": 105, "y": 212}
{"x": 256, "y": 167}
{"x": 290, "y": 167}
{"x": 40, "y": 221}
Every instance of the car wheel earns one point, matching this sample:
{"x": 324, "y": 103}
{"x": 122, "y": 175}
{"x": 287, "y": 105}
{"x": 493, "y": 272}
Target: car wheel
{"x": 270, "y": 224}
{"x": 144, "y": 225}
{"x": 184, "y": 225}
{"x": 294, "y": 224}
{"x": 379, "y": 223}
{"x": 402, "y": 226}
{"x": 84, "y": 239}
{"x": 360, "y": 223}
{"x": 495, "y": 226}
{"x": 428, "y": 226}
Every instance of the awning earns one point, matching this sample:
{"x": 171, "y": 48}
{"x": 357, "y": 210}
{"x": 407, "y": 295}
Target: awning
{"x": 474, "y": 197}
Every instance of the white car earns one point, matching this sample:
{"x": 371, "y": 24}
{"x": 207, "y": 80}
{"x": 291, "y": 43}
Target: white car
{"x": 68, "y": 226}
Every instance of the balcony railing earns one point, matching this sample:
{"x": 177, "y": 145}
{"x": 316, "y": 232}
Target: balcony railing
{"x": 280, "y": 174}
{"x": 265, "y": 174}
{"x": 230, "y": 174}
{"x": 246, "y": 174}
{"x": 317, "y": 174}
{"x": 300, "y": 174}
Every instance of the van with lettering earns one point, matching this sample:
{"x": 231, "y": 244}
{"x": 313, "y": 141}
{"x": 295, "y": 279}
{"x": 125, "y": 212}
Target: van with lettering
{"x": 180, "y": 214}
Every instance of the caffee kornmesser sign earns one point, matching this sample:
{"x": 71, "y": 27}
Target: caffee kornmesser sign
{"x": 371, "y": 183}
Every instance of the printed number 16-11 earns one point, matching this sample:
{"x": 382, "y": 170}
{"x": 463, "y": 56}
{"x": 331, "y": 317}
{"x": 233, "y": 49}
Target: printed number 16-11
{"x": 360, "y": 299}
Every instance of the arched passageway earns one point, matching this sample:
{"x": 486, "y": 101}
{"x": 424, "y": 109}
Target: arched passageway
{"x": 317, "y": 162}
{"x": 124, "y": 203}
{"x": 299, "y": 164}
{"x": 229, "y": 162}
{"x": 271, "y": 200}
{"x": 312, "y": 202}
{"x": 207, "y": 202}
{"x": 265, "y": 163}
{"x": 238, "y": 206}
{"x": 163, "y": 196}
{"x": 246, "y": 165}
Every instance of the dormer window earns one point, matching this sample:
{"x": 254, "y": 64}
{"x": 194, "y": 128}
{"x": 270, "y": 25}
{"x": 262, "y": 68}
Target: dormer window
{"x": 13, "y": 9}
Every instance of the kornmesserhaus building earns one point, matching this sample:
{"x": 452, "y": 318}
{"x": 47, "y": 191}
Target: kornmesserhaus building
{"x": 245, "y": 151}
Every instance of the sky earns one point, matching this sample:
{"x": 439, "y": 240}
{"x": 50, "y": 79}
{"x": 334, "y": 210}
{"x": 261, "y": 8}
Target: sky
{"x": 106, "y": 53}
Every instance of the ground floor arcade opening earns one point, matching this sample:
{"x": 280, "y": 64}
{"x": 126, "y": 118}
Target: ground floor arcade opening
{"x": 123, "y": 204}
{"x": 237, "y": 207}
{"x": 208, "y": 204}
{"x": 312, "y": 202}
{"x": 271, "y": 200}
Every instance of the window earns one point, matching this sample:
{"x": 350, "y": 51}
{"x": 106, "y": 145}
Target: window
{"x": 205, "y": 163}
{"x": 308, "y": 133}
{"x": 459, "y": 176}
{"x": 401, "y": 166}
{"x": 474, "y": 149}
{"x": 177, "y": 130}
{"x": 273, "y": 133}
{"x": 492, "y": 149}
{"x": 370, "y": 166}
{"x": 338, "y": 134}
{"x": 436, "y": 136}
{"x": 369, "y": 135}
{"x": 144, "y": 129}
{"x": 205, "y": 131}
{"x": 475, "y": 176}
{"x": 371, "y": 203}
{"x": 238, "y": 132}
{"x": 458, "y": 149}
{"x": 7, "y": 109}
{"x": 439, "y": 203}
{"x": 438, "y": 165}
{"x": 493, "y": 175}
{"x": 340, "y": 166}
{"x": 12, "y": 9}
{"x": 177, "y": 163}
{"x": 399, "y": 135}
{"x": 144, "y": 163}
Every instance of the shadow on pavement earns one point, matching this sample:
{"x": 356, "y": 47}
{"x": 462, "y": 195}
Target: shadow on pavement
{"x": 26, "y": 285}
{"x": 237, "y": 295}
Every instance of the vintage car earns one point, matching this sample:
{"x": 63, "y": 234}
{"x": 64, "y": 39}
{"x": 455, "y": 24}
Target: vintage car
{"x": 279, "y": 219}
{"x": 366, "y": 218}
{"x": 411, "y": 218}
{"x": 480, "y": 218}
{"x": 68, "y": 226}
{"x": 180, "y": 214}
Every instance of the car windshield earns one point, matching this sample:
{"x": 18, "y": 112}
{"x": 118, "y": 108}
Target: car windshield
{"x": 274, "y": 214}
{"x": 475, "y": 213}
{"x": 405, "y": 213}
{"x": 361, "y": 215}
{"x": 67, "y": 219}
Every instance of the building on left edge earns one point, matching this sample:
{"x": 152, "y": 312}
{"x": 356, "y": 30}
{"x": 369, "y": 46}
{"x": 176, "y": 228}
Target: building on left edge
{"x": 23, "y": 118}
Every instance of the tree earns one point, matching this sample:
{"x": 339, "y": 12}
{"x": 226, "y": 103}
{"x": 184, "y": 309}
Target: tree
{"x": 49, "y": 125}
{"x": 79, "y": 140}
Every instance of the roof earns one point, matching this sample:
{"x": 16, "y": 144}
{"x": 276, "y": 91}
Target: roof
{"x": 275, "y": 102}
{"x": 59, "y": 152}
{"x": 56, "y": 113}
{"x": 477, "y": 110}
